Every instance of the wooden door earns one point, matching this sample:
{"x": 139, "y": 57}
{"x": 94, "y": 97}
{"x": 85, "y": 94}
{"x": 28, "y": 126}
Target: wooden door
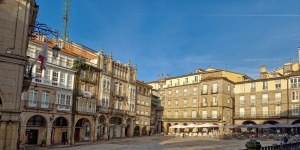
{"x": 76, "y": 134}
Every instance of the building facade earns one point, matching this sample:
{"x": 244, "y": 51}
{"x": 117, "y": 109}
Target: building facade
{"x": 271, "y": 99}
{"x": 201, "y": 97}
{"x": 157, "y": 110}
{"x": 15, "y": 18}
{"x": 46, "y": 106}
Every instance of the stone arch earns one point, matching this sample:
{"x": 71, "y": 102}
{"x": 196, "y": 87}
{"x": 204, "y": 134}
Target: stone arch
{"x": 36, "y": 129}
{"x": 249, "y": 122}
{"x": 272, "y": 122}
{"x": 76, "y": 120}
{"x": 68, "y": 121}
{"x": 83, "y": 128}
{"x": 128, "y": 126}
{"x": 168, "y": 127}
{"x": 27, "y": 119}
{"x": 136, "y": 131}
{"x": 144, "y": 130}
{"x": 60, "y": 130}
{"x": 102, "y": 122}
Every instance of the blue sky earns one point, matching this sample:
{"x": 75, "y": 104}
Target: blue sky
{"x": 177, "y": 36}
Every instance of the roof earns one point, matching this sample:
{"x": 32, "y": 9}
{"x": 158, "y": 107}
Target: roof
{"x": 216, "y": 78}
{"x": 143, "y": 83}
{"x": 295, "y": 73}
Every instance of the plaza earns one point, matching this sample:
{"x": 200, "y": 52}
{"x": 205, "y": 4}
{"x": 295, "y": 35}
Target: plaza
{"x": 157, "y": 142}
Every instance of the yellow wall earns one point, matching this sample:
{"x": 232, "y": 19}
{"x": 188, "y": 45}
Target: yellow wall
{"x": 191, "y": 78}
{"x": 235, "y": 77}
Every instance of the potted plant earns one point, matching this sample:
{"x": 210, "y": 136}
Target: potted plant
{"x": 138, "y": 133}
{"x": 43, "y": 143}
{"x": 98, "y": 136}
{"x": 66, "y": 141}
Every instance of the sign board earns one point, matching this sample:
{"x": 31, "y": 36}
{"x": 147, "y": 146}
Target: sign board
{"x": 87, "y": 94}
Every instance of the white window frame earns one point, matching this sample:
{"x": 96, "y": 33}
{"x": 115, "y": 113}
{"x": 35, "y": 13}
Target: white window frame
{"x": 242, "y": 100}
{"x": 265, "y": 98}
{"x": 295, "y": 109}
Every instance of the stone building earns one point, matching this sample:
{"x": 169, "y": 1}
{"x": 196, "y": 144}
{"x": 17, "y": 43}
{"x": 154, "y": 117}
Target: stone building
{"x": 157, "y": 110}
{"x": 46, "y": 106}
{"x": 202, "y": 97}
{"x": 143, "y": 108}
{"x": 15, "y": 18}
{"x": 273, "y": 98}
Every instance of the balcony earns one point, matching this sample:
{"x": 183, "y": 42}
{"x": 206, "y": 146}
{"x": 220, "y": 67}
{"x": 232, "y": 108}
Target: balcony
{"x": 204, "y": 92}
{"x": 61, "y": 107}
{"x": 119, "y": 94}
{"x": 212, "y": 104}
{"x": 203, "y": 104}
{"x": 39, "y": 105}
{"x": 177, "y": 84}
{"x": 253, "y": 89}
{"x": 131, "y": 113}
{"x": 102, "y": 109}
{"x": 105, "y": 89}
{"x": 132, "y": 81}
{"x": 195, "y": 81}
{"x": 159, "y": 108}
{"x": 214, "y": 91}
{"x": 105, "y": 72}
{"x": 87, "y": 79}
{"x": 194, "y": 118}
{"x": 185, "y": 82}
{"x": 265, "y": 87}
{"x": 257, "y": 115}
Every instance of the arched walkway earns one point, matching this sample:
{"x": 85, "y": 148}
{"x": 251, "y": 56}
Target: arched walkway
{"x": 101, "y": 127}
{"x": 115, "y": 127}
{"x": 82, "y": 130}
{"x": 271, "y": 122}
{"x": 128, "y": 127}
{"x": 296, "y": 129}
{"x": 136, "y": 131}
{"x": 60, "y": 131}
{"x": 168, "y": 128}
{"x": 144, "y": 131}
{"x": 248, "y": 122}
{"x": 36, "y": 130}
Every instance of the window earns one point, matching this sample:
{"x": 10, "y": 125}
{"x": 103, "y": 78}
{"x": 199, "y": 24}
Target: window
{"x": 215, "y": 101}
{"x": 204, "y": 101}
{"x": 277, "y": 110}
{"x": 204, "y": 90}
{"x": 169, "y": 114}
{"x": 54, "y": 78}
{"x": 91, "y": 76}
{"x": 69, "y": 63}
{"x": 45, "y": 99}
{"x": 264, "y": 98}
{"x": 204, "y": 114}
{"x": 176, "y": 114}
{"x": 176, "y": 93}
{"x": 242, "y": 86}
{"x": 170, "y": 92}
{"x": 265, "y": 111}
{"x": 47, "y": 76}
{"x": 176, "y": 103}
{"x": 295, "y": 96}
{"x": 215, "y": 88}
{"x": 195, "y": 91}
{"x": 169, "y": 104}
{"x": 70, "y": 80}
{"x": 186, "y": 80}
{"x": 116, "y": 88}
{"x": 105, "y": 101}
{"x": 196, "y": 78}
{"x": 184, "y": 103}
{"x": 228, "y": 88}
{"x": 295, "y": 82}
{"x": 194, "y": 114}
{"x": 170, "y": 83}
{"x": 242, "y": 112}
{"x": 90, "y": 89}
{"x": 277, "y": 97}
{"x": 146, "y": 100}
{"x": 265, "y": 85}
{"x": 253, "y": 88}
{"x": 295, "y": 110}
{"x": 278, "y": 84}
{"x": 178, "y": 81}
{"x": 81, "y": 74}
{"x": 184, "y": 114}
{"x": 194, "y": 102}
{"x": 104, "y": 68}
{"x": 214, "y": 114}
{"x": 64, "y": 101}
{"x": 253, "y": 111}
{"x": 32, "y": 98}
{"x": 62, "y": 79}
{"x": 185, "y": 92}
{"x": 253, "y": 99}
{"x": 121, "y": 89}
{"x": 38, "y": 73}
{"x": 242, "y": 100}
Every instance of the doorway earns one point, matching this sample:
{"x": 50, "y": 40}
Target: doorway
{"x": 32, "y": 136}
{"x": 76, "y": 134}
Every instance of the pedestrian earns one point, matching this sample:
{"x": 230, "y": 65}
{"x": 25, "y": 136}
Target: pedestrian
{"x": 285, "y": 139}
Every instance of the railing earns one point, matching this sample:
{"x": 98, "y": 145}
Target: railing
{"x": 212, "y": 104}
{"x": 195, "y": 81}
{"x": 108, "y": 73}
{"x": 203, "y": 92}
{"x": 203, "y": 104}
{"x": 194, "y": 117}
{"x": 214, "y": 91}
{"x": 130, "y": 113}
{"x": 284, "y": 146}
{"x": 102, "y": 109}
{"x": 265, "y": 88}
{"x": 253, "y": 89}
{"x": 177, "y": 84}
{"x": 105, "y": 89}
{"x": 39, "y": 105}
{"x": 254, "y": 115}
{"x": 87, "y": 79}
{"x": 63, "y": 107}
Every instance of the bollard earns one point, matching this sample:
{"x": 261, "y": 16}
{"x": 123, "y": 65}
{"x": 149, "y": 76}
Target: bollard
{"x": 253, "y": 145}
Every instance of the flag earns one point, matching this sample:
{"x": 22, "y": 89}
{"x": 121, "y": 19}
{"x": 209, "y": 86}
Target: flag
{"x": 43, "y": 57}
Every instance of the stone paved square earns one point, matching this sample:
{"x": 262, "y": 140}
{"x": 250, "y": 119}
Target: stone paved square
{"x": 158, "y": 142}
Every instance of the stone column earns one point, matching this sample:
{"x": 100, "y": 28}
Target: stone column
{"x": 114, "y": 131}
{"x": 141, "y": 130}
{"x": 159, "y": 127}
{"x": 22, "y": 136}
{"x": 11, "y": 136}
{"x": 92, "y": 132}
{"x": 3, "y": 134}
{"x": 123, "y": 131}
{"x": 131, "y": 129}
{"x": 72, "y": 140}
{"x": 48, "y": 136}
{"x": 69, "y": 135}
{"x": 105, "y": 136}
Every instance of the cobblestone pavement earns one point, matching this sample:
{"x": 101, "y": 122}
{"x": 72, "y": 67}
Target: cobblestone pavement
{"x": 158, "y": 142}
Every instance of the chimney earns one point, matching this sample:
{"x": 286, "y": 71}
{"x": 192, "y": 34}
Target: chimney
{"x": 263, "y": 72}
{"x": 287, "y": 67}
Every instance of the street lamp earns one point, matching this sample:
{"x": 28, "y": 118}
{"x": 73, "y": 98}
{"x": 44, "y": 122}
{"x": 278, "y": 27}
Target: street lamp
{"x": 56, "y": 50}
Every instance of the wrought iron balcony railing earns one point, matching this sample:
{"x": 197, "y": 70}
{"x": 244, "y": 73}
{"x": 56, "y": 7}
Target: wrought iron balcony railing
{"x": 38, "y": 105}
